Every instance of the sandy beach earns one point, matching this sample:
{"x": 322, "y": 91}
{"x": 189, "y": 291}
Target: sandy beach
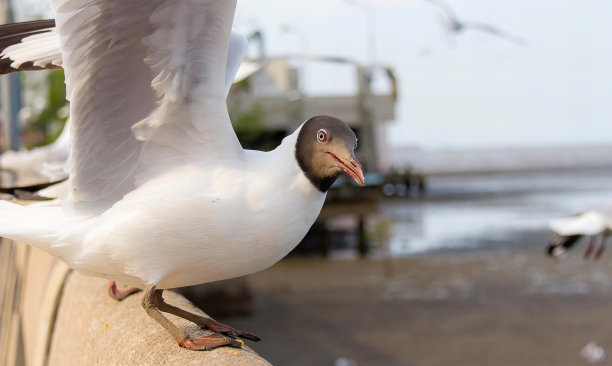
{"x": 508, "y": 306}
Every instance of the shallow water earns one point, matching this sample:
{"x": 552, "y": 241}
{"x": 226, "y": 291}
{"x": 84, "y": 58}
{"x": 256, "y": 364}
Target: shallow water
{"x": 472, "y": 211}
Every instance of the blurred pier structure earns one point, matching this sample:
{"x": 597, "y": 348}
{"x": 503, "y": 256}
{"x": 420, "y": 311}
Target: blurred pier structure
{"x": 269, "y": 103}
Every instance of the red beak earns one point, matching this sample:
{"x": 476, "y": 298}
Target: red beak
{"x": 352, "y": 167}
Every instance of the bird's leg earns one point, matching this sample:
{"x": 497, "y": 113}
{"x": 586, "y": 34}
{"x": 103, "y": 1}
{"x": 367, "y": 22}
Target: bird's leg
{"x": 119, "y": 295}
{"x": 589, "y": 249}
{"x": 152, "y": 297}
{"x": 602, "y": 246}
{"x": 203, "y": 321}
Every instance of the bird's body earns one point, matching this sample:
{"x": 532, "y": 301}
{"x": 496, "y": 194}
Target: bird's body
{"x": 194, "y": 224}
{"x": 592, "y": 222}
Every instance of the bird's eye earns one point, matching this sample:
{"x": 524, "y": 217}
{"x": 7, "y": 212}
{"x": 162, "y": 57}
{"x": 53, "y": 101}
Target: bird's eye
{"x": 322, "y": 136}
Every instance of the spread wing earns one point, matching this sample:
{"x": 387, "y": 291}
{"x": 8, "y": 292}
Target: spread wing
{"x": 156, "y": 65}
{"x": 35, "y": 45}
{"x": 495, "y": 31}
{"x": 235, "y": 55}
{"x": 108, "y": 84}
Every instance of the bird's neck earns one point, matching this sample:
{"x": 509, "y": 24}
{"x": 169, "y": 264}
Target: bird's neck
{"x": 285, "y": 155}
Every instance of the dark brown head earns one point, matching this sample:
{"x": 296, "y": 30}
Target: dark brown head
{"x": 324, "y": 149}
{"x": 560, "y": 243}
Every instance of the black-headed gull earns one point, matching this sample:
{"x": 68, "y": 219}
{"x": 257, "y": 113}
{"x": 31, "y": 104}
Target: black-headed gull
{"x": 162, "y": 195}
{"x": 593, "y": 223}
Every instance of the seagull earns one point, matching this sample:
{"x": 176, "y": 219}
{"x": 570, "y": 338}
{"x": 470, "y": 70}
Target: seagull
{"x": 594, "y": 223}
{"x": 455, "y": 25}
{"x": 161, "y": 194}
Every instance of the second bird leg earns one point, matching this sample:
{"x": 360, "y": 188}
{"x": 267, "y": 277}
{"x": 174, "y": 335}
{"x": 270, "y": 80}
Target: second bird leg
{"x": 119, "y": 295}
{"x": 602, "y": 246}
{"x": 203, "y": 321}
{"x": 152, "y": 297}
{"x": 589, "y": 249}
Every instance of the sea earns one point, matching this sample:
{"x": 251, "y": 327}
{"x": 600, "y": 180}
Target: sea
{"x": 490, "y": 210}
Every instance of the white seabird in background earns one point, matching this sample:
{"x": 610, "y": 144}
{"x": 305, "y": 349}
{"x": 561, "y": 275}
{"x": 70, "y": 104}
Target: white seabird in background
{"x": 46, "y": 160}
{"x": 162, "y": 195}
{"x": 592, "y": 223}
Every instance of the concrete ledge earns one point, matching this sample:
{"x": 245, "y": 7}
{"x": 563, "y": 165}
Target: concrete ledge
{"x": 47, "y": 305}
{"x": 93, "y": 329}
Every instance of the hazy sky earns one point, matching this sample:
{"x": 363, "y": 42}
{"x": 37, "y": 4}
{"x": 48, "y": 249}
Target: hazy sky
{"x": 485, "y": 92}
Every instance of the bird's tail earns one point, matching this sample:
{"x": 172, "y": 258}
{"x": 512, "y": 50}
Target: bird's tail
{"x": 36, "y": 226}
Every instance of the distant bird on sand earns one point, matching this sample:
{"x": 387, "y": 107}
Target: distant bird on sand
{"x": 162, "y": 195}
{"x": 593, "y": 223}
{"x": 456, "y": 25}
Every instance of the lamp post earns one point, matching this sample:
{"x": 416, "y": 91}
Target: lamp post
{"x": 305, "y": 52}
{"x": 298, "y": 79}
{"x": 367, "y": 134}
{"x": 370, "y": 14}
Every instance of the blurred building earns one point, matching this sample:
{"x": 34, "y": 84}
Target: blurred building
{"x": 268, "y": 103}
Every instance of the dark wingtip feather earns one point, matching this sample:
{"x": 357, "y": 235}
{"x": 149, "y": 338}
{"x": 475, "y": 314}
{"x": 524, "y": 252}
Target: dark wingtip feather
{"x": 14, "y": 33}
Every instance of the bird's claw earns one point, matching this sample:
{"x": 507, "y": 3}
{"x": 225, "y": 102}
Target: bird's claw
{"x": 249, "y": 336}
{"x": 209, "y": 342}
{"x": 215, "y": 326}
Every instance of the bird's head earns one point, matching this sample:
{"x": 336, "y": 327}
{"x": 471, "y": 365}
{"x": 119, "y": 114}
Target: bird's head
{"x": 325, "y": 149}
{"x": 559, "y": 244}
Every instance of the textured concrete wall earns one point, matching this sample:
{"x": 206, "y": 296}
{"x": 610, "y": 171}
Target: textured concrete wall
{"x": 57, "y": 317}
{"x": 91, "y": 328}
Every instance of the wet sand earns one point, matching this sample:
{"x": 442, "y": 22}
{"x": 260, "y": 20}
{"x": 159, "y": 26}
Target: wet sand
{"x": 506, "y": 306}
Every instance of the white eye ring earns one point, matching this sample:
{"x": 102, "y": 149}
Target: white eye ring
{"x": 322, "y": 135}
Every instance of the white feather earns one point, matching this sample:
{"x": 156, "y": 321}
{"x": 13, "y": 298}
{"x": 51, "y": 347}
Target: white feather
{"x": 41, "y": 49}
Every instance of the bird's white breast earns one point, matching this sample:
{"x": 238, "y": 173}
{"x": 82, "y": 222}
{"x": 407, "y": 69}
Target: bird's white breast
{"x": 203, "y": 223}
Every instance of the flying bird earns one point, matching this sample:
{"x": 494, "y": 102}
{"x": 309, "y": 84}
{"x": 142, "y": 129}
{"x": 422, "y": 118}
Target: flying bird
{"x": 568, "y": 231}
{"x": 456, "y": 25}
{"x": 161, "y": 194}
